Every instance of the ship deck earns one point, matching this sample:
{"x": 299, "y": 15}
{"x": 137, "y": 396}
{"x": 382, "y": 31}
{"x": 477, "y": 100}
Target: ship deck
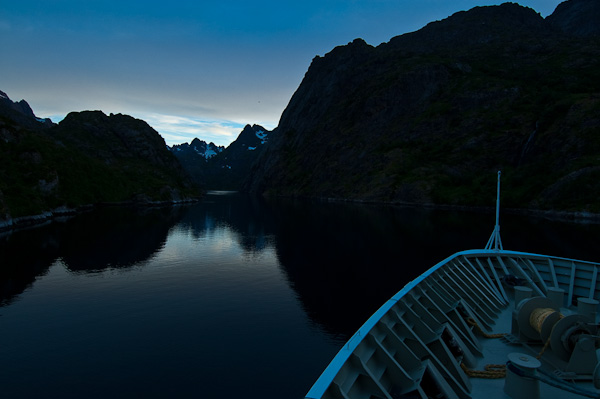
{"x": 496, "y": 351}
{"x": 425, "y": 342}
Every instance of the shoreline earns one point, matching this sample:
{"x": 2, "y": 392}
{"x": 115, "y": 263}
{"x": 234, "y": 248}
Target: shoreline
{"x": 30, "y": 221}
{"x": 41, "y": 219}
{"x": 580, "y": 217}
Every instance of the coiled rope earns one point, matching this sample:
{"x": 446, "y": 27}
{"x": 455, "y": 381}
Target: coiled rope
{"x": 538, "y": 316}
{"x": 536, "y": 320}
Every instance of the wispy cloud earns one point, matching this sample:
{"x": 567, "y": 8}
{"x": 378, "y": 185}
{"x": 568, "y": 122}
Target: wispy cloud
{"x": 177, "y": 129}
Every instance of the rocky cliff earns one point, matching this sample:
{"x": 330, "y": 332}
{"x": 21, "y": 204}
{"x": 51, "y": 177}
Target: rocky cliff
{"x": 88, "y": 158}
{"x": 577, "y": 17}
{"x": 430, "y": 116}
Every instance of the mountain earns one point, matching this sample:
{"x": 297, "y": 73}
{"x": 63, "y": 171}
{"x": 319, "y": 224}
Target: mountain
{"x": 196, "y": 149}
{"x": 577, "y": 17}
{"x": 88, "y": 158}
{"x": 431, "y": 116}
{"x": 21, "y": 113}
{"x": 219, "y": 168}
{"x": 194, "y": 158}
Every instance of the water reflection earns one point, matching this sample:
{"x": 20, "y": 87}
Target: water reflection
{"x": 277, "y": 285}
{"x": 247, "y": 217}
{"x": 91, "y": 242}
{"x": 346, "y": 260}
{"x": 342, "y": 260}
{"x": 115, "y": 238}
{"x": 123, "y": 237}
{"x": 22, "y": 258}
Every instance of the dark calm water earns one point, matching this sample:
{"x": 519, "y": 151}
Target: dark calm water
{"x": 229, "y": 298}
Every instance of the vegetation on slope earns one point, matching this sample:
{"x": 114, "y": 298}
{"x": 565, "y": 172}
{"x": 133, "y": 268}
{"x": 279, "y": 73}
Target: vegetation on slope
{"x": 89, "y": 158}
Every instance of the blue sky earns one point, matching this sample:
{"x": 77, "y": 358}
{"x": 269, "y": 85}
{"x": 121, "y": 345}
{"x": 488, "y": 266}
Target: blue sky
{"x": 190, "y": 68}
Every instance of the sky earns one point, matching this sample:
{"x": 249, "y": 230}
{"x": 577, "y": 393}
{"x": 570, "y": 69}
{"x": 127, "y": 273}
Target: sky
{"x": 190, "y": 68}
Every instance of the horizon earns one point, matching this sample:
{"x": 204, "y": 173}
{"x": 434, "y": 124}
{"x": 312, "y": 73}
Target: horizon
{"x": 190, "y": 70}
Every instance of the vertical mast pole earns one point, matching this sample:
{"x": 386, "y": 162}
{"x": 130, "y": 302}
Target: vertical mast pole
{"x": 497, "y": 227}
{"x": 495, "y": 242}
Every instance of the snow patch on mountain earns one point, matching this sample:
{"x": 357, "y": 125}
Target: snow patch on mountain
{"x": 262, "y": 136}
{"x": 199, "y": 147}
{"x": 207, "y": 152}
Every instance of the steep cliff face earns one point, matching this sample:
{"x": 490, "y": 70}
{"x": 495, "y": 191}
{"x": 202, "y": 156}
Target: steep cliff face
{"x": 577, "y": 17}
{"x": 431, "y": 116}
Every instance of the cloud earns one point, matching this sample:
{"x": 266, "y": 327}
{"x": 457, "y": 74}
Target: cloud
{"x": 176, "y": 129}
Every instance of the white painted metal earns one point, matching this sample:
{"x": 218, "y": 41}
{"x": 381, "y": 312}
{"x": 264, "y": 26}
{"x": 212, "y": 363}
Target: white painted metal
{"x": 554, "y": 280}
{"x": 407, "y": 346}
{"x": 593, "y": 283}
{"x": 495, "y": 242}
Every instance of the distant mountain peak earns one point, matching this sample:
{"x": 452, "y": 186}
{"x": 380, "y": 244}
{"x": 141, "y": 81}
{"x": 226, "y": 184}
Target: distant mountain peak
{"x": 216, "y": 167}
{"x": 198, "y": 148}
{"x": 21, "y": 112}
{"x": 253, "y": 136}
